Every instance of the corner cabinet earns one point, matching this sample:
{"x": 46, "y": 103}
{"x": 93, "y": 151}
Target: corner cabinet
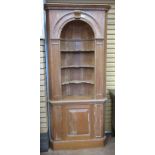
{"x": 76, "y": 70}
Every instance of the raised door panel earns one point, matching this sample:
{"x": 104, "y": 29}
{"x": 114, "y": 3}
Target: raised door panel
{"x": 77, "y": 122}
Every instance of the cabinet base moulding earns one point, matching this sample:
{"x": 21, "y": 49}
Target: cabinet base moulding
{"x": 78, "y": 144}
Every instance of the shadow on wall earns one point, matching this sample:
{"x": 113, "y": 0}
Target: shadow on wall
{"x": 112, "y": 96}
{"x": 44, "y": 142}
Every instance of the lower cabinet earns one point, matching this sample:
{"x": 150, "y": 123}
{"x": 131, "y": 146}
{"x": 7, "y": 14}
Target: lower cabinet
{"x": 76, "y": 126}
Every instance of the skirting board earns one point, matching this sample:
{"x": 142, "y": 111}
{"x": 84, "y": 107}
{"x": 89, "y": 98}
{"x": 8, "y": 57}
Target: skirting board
{"x": 44, "y": 142}
{"x": 78, "y": 144}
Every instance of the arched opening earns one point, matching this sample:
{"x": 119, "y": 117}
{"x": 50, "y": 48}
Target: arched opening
{"x": 77, "y": 29}
{"x": 77, "y": 60}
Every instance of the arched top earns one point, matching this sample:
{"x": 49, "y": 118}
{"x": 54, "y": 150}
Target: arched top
{"x": 73, "y": 29}
{"x": 77, "y": 35}
{"x": 77, "y": 15}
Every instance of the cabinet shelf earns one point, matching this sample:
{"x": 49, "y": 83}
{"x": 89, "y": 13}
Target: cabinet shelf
{"x": 76, "y": 40}
{"x": 76, "y": 51}
{"x": 77, "y": 45}
{"x": 78, "y": 66}
{"x": 77, "y": 98}
{"x": 77, "y": 82}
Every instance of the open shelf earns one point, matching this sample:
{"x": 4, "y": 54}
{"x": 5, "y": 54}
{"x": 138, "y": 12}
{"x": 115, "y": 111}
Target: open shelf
{"x": 80, "y": 40}
{"x": 77, "y": 49}
{"x": 77, "y": 45}
{"x": 77, "y": 59}
{"x": 77, "y": 97}
{"x": 80, "y": 89}
{"x": 77, "y": 74}
{"x": 78, "y": 66}
{"x": 77, "y": 82}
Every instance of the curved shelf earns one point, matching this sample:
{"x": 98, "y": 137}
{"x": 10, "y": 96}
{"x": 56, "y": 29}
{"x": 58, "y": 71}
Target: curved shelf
{"x": 77, "y": 82}
{"x": 72, "y": 40}
{"x": 77, "y": 51}
{"x": 77, "y": 66}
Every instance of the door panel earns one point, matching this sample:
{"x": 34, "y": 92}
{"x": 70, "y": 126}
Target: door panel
{"x": 78, "y": 121}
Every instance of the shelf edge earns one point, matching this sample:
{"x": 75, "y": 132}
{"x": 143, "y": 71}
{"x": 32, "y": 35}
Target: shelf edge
{"x": 91, "y": 101}
{"x": 78, "y": 82}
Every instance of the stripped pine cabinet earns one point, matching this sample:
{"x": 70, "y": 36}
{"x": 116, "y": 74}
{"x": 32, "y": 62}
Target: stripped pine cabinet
{"x": 76, "y": 69}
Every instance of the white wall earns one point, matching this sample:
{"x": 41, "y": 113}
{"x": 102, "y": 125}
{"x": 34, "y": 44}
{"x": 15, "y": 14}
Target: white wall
{"x": 42, "y": 19}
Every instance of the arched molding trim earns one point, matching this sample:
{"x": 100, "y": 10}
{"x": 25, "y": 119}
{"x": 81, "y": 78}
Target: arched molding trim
{"x": 72, "y": 16}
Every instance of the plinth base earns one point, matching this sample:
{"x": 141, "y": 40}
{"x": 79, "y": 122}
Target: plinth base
{"x": 78, "y": 144}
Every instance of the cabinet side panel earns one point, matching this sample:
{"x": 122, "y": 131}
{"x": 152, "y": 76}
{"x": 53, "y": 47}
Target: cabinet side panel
{"x": 100, "y": 75}
{"x": 54, "y": 71}
{"x": 99, "y": 120}
{"x": 57, "y": 133}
